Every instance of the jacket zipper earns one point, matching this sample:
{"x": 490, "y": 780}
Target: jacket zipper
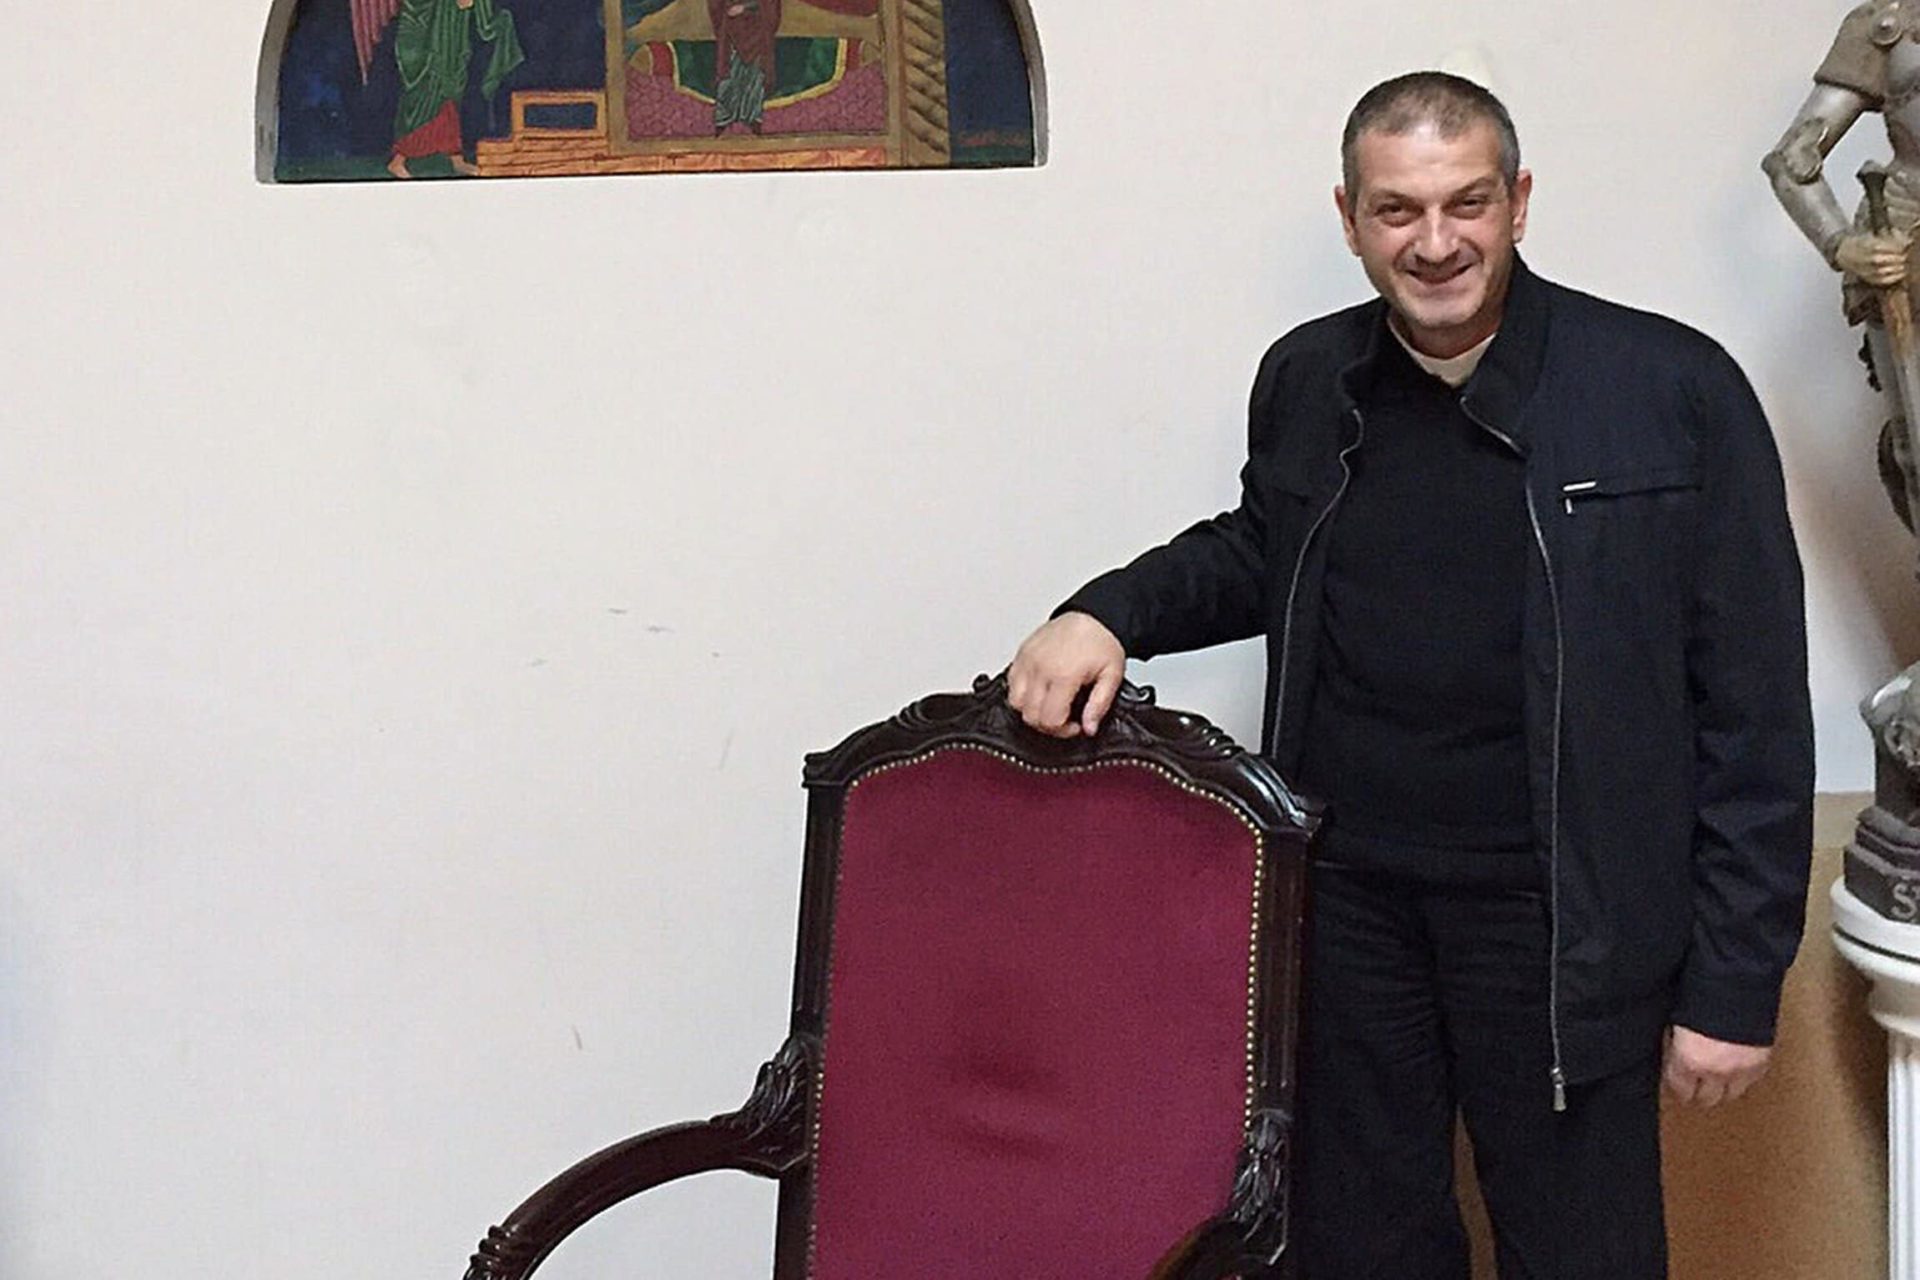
{"x": 1300, "y": 563}
{"x": 1557, "y": 1074}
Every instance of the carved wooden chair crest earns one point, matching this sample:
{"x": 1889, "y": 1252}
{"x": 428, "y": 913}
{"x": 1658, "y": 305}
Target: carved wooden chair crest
{"x": 1043, "y": 1013}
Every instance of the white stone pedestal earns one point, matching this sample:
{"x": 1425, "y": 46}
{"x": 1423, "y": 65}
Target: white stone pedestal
{"x": 1889, "y": 953}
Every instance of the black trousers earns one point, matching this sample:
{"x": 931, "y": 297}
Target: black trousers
{"x": 1429, "y": 999}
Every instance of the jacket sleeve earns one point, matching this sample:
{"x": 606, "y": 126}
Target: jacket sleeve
{"x": 1753, "y": 726}
{"x": 1209, "y": 584}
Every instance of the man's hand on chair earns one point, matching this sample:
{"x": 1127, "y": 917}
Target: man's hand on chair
{"x": 1072, "y": 652}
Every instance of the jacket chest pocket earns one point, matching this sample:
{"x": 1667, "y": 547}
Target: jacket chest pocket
{"x": 1623, "y": 552}
{"x": 1642, "y": 491}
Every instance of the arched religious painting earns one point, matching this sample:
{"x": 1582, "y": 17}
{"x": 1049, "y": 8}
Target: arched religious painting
{"x": 399, "y": 89}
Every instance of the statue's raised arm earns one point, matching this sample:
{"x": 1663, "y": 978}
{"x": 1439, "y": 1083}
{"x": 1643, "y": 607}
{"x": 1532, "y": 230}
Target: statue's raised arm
{"x": 1873, "y": 66}
{"x": 1797, "y": 167}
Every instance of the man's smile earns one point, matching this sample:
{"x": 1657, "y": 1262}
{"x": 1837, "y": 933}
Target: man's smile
{"x": 1435, "y": 277}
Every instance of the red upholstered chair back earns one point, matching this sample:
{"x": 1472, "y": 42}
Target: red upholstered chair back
{"x": 1043, "y": 1015}
{"x": 1057, "y": 985}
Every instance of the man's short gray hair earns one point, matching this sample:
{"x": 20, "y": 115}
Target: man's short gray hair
{"x": 1451, "y": 104}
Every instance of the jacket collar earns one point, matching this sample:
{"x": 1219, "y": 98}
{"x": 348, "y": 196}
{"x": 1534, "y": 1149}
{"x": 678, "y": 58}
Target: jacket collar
{"x": 1500, "y": 388}
{"x": 1498, "y": 392}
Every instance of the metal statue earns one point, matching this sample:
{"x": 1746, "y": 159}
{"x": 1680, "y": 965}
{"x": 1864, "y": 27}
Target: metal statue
{"x": 1874, "y": 66}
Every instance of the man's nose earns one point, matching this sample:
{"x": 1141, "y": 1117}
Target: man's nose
{"x": 1437, "y": 238}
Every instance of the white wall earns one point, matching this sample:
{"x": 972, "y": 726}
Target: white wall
{"x": 398, "y": 795}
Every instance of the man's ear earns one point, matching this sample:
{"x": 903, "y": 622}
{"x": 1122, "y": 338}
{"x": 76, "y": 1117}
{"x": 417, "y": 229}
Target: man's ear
{"x": 1347, "y": 226}
{"x": 1522, "y": 194}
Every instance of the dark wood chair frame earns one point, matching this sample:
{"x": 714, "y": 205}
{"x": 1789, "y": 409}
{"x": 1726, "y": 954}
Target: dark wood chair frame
{"x": 770, "y": 1134}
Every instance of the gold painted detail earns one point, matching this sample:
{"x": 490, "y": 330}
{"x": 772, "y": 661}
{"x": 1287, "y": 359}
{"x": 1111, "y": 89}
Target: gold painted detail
{"x": 1253, "y": 931}
{"x": 923, "y": 30}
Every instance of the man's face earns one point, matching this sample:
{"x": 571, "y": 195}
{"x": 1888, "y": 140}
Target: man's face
{"x": 1434, "y": 224}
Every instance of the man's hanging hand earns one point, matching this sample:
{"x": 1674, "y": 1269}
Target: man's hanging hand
{"x": 1703, "y": 1071}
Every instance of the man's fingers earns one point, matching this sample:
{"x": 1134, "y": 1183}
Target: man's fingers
{"x": 1017, "y": 688}
{"x": 1745, "y": 1081}
{"x": 1050, "y": 709}
{"x": 1031, "y": 703}
{"x": 1045, "y": 706}
{"x": 1100, "y": 700}
{"x": 1681, "y": 1083}
{"x": 1708, "y": 1089}
{"x": 1056, "y": 708}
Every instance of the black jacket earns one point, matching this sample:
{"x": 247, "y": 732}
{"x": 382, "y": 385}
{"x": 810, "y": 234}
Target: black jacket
{"x": 1670, "y": 741}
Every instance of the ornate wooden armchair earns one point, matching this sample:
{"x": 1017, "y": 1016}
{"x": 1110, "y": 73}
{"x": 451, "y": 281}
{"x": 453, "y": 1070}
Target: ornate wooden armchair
{"x": 1043, "y": 1013}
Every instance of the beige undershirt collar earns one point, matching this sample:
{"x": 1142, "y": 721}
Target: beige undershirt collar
{"x": 1455, "y": 370}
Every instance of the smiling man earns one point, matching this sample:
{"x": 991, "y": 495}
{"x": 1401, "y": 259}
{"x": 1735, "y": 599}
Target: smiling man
{"x": 1534, "y": 631}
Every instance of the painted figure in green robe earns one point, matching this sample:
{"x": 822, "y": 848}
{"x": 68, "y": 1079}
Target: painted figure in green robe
{"x": 745, "y": 31}
{"x": 433, "y": 42}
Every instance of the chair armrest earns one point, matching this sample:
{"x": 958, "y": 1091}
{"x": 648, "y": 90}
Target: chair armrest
{"x": 1250, "y": 1240}
{"x": 767, "y": 1136}
{"x": 1216, "y": 1250}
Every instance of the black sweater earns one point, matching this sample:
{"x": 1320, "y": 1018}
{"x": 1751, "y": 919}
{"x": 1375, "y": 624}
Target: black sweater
{"x": 1416, "y": 736}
